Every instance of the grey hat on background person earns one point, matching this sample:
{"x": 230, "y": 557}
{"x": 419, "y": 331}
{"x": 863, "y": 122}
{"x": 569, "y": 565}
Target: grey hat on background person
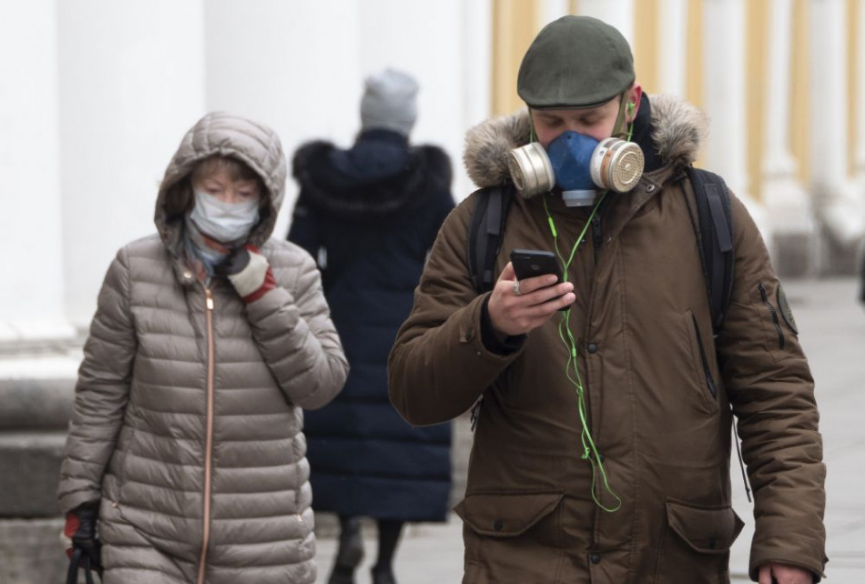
{"x": 389, "y": 102}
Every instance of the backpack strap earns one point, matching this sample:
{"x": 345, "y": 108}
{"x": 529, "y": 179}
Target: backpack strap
{"x": 715, "y": 238}
{"x": 486, "y": 232}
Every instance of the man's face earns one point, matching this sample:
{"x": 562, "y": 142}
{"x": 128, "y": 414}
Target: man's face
{"x": 597, "y": 122}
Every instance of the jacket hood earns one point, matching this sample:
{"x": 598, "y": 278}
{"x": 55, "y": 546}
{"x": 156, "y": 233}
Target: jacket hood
{"x": 372, "y": 180}
{"x": 224, "y": 134}
{"x": 677, "y": 131}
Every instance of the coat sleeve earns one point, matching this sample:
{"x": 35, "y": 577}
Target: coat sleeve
{"x": 442, "y": 206}
{"x": 102, "y": 391}
{"x": 439, "y": 365}
{"x": 772, "y": 394}
{"x": 305, "y": 229}
{"x": 298, "y": 340}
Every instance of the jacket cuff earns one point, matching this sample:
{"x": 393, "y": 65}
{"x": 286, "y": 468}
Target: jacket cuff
{"x": 490, "y": 337}
{"x": 471, "y": 333}
{"x": 275, "y": 301}
{"x": 757, "y": 561}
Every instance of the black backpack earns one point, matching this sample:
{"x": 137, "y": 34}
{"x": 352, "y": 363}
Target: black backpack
{"x": 713, "y": 229}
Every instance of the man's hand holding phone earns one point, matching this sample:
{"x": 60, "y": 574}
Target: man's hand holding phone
{"x": 518, "y": 306}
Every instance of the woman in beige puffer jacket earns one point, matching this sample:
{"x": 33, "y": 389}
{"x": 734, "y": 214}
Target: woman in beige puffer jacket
{"x": 187, "y": 422}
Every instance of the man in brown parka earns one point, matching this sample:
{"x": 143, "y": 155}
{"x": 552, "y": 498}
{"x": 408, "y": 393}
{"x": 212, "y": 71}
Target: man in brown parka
{"x": 648, "y": 499}
{"x": 208, "y": 339}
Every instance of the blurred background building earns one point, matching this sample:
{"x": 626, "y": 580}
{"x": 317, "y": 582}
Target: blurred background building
{"x": 96, "y": 94}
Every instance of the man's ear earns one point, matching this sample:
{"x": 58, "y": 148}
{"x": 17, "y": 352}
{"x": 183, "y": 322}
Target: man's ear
{"x": 635, "y": 95}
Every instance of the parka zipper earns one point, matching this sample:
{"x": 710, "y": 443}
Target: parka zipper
{"x": 710, "y": 383}
{"x": 774, "y": 314}
{"x": 208, "y": 302}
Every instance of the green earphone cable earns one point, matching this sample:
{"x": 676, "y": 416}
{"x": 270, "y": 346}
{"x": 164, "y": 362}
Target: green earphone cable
{"x": 572, "y": 371}
{"x": 590, "y": 451}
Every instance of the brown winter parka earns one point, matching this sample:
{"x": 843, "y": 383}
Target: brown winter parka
{"x": 659, "y": 389}
{"x": 187, "y": 422}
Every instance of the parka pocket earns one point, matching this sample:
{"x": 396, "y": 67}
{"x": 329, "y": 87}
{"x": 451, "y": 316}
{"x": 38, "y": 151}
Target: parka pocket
{"x": 706, "y": 385}
{"x": 512, "y": 538}
{"x": 696, "y": 544}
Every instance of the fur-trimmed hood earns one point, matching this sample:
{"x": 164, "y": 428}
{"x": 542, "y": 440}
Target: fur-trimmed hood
{"x": 677, "y": 131}
{"x": 356, "y": 189}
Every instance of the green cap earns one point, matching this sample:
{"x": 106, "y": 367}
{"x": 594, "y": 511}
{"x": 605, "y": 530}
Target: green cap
{"x": 575, "y": 62}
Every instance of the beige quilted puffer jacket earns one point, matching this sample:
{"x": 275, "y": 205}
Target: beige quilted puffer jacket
{"x": 188, "y": 420}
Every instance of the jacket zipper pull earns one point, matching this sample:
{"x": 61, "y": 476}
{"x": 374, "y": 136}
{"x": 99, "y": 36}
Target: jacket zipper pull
{"x": 208, "y": 299}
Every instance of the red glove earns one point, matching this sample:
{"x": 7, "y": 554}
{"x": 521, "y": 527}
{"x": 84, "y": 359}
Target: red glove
{"x": 249, "y": 273}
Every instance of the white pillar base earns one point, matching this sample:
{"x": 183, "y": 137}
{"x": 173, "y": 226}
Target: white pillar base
{"x": 793, "y": 229}
{"x": 843, "y": 214}
{"x": 36, "y": 331}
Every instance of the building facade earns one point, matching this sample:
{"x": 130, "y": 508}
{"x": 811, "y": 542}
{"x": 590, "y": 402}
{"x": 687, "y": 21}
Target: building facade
{"x": 97, "y": 94}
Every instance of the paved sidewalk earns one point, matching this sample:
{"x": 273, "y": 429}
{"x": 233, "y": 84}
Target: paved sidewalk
{"x": 832, "y": 328}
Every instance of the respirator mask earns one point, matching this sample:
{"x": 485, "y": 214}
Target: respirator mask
{"x": 579, "y": 165}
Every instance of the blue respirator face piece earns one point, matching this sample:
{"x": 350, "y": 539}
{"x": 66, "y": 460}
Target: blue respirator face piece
{"x": 578, "y": 164}
{"x": 570, "y": 156}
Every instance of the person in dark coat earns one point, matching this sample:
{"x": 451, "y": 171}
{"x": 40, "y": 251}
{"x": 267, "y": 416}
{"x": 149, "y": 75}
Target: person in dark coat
{"x": 370, "y": 214}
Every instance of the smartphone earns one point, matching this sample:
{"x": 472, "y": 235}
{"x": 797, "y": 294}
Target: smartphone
{"x": 530, "y": 263}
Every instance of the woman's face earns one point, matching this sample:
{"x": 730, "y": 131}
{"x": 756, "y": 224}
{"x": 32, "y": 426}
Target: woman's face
{"x": 218, "y": 184}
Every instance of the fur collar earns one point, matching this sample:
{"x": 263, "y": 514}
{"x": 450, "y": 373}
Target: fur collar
{"x": 427, "y": 172}
{"x": 678, "y": 129}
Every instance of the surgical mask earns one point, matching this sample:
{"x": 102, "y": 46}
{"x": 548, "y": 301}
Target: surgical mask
{"x": 579, "y": 165}
{"x": 224, "y": 222}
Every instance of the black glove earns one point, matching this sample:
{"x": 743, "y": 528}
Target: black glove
{"x": 81, "y": 529}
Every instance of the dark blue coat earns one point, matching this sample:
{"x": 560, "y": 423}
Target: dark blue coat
{"x": 369, "y": 215}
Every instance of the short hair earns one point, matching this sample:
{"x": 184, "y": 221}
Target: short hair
{"x": 236, "y": 169}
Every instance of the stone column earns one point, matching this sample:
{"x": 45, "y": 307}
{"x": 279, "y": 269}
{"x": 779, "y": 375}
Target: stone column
{"x": 723, "y": 62}
{"x": 619, "y": 13}
{"x": 673, "y": 39}
{"x": 131, "y": 84}
{"x": 551, "y": 10}
{"x": 724, "y": 78}
{"x": 860, "y": 98}
{"x": 476, "y": 50}
{"x": 432, "y": 46}
{"x": 32, "y": 315}
{"x": 839, "y": 206}
{"x": 787, "y": 204}
{"x": 31, "y": 296}
{"x": 291, "y": 65}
